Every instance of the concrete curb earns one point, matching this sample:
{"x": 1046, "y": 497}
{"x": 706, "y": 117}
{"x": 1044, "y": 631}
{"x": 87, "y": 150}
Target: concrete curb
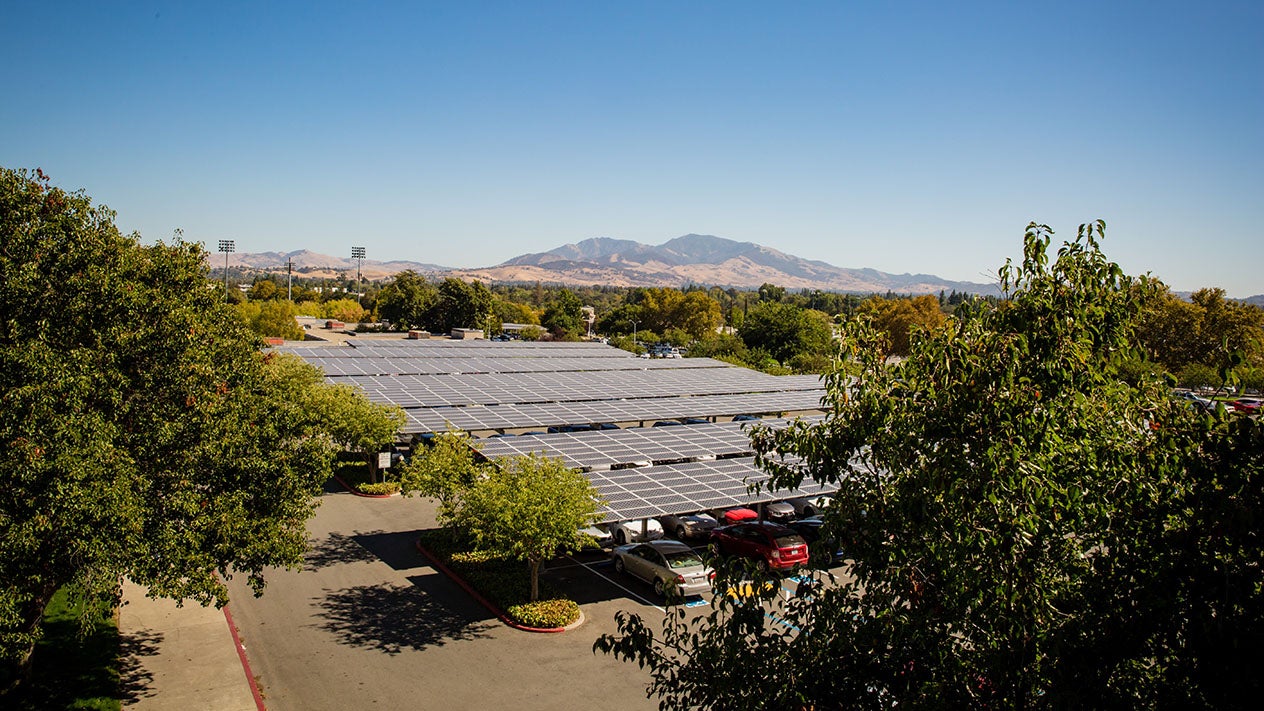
{"x": 245, "y": 662}
{"x": 495, "y": 610}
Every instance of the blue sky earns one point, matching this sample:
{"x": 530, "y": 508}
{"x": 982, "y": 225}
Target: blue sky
{"x": 901, "y": 136}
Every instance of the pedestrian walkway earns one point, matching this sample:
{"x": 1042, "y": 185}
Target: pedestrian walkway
{"x": 180, "y": 657}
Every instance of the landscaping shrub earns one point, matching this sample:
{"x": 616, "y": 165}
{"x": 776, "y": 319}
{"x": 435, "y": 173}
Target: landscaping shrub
{"x": 504, "y": 582}
{"x": 385, "y": 487}
{"x": 545, "y": 613}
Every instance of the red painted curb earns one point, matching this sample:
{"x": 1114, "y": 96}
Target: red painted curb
{"x": 245, "y": 663}
{"x": 352, "y": 490}
{"x": 485, "y": 602}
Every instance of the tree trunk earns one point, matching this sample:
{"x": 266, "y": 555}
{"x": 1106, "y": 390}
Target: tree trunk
{"x": 535, "y": 578}
{"x": 32, "y": 619}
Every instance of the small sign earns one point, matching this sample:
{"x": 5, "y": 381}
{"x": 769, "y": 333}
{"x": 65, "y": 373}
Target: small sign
{"x": 384, "y": 460}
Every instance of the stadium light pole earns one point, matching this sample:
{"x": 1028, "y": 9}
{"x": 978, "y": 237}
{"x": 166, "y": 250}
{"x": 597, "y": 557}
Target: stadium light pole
{"x": 227, "y": 246}
{"x": 357, "y": 253}
{"x": 289, "y": 279}
{"x": 634, "y": 322}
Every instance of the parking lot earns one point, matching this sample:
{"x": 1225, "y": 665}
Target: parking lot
{"x": 368, "y": 622}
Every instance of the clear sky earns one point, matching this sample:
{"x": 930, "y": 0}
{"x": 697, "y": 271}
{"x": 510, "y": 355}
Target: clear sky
{"x": 902, "y": 136}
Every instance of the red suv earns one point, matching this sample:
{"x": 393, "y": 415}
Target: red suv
{"x": 774, "y": 546}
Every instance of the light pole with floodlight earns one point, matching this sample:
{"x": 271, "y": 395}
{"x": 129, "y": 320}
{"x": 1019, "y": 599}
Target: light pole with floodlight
{"x": 226, "y": 246}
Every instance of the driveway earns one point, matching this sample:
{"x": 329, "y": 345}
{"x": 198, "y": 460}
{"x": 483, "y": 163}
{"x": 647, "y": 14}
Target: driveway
{"x": 368, "y": 623}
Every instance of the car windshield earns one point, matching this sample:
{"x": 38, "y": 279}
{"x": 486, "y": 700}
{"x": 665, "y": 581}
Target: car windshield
{"x": 787, "y": 541}
{"x": 683, "y": 559}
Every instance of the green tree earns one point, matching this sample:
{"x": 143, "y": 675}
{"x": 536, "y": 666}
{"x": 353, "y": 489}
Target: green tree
{"x": 407, "y": 301}
{"x": 264, "y": 290}
{"x": 145, "y": 434}
{"x": 1026, "y": 529}
{"x": 444, "y": 470}
{"x": 785, "y": 331}
{"x": 528, "y": 508}
{"x": 276, "y": 319}
{"x": 345, "y": 310}
{"x": 562, "y": 317}
{"x": 460, "y": 304}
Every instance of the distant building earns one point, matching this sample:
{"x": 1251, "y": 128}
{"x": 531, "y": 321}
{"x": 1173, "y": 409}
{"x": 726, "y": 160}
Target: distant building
{"x": 467, "y": 334}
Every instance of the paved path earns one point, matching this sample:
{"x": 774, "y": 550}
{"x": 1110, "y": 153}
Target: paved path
{"x": 369, "y": 624}
{"x": 179, "y": 657}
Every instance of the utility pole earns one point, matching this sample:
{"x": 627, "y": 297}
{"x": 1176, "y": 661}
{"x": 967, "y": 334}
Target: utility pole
{"x": 289, "y": 279}
{"x": 357, "y": 253}
{"x": 226, "y": 246}
{"x": 633, "y": 322}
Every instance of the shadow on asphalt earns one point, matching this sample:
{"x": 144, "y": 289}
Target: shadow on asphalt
{"x": 398, "y": 550}
{"x": 135, "y": 681}
{"x": 393, "y": 618}
{"x": 335, "y": 550}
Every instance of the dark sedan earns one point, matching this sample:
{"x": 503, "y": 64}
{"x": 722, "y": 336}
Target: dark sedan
{"x": 810, "y": 529}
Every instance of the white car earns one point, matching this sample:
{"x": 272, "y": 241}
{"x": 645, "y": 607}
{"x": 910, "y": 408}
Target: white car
{"x": 643, "y": 529}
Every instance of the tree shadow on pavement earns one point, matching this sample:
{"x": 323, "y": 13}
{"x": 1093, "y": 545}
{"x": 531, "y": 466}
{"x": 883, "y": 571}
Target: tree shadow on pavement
{"x": 393, "y": 618}
{"x": 335, "y": 550}
{"x": 398, "y": 549}
{"x": 135, "y": 681}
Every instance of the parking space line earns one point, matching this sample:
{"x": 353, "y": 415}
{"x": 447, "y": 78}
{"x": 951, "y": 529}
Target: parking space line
{"x": 621, "y": 587}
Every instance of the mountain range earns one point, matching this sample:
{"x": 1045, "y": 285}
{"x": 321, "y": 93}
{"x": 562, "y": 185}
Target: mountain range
{"x": 690, "y": 259}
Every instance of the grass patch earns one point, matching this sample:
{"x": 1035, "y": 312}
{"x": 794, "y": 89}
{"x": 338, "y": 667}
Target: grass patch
{"x": 69, "y": 671}
{"x": 503, "y": 581}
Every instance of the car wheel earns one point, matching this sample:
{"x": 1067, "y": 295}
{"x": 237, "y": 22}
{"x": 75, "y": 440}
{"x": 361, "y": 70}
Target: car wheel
{"x": 618, "y": 563}
{"x": 764, "y": 567}
{"x": 809, "y": 511}
{"x": 680, "y": 533}
{"x": 659, "y": 588}
{"x": 621, "y": 537}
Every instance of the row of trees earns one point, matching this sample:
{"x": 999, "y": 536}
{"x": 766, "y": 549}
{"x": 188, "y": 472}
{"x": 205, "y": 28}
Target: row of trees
{"x": 1027, "y": 528}
{"x": 145, "y": 435}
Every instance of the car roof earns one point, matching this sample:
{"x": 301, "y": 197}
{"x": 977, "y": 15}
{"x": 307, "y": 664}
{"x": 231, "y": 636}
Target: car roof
{"x": 668, "y": 546}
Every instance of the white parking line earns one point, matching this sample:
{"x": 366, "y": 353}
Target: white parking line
{"x": 621, "y": 587}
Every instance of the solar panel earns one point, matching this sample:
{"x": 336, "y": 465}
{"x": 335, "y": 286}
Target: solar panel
{"x": 686, "y": 488}
{"x": 542, "y": 415}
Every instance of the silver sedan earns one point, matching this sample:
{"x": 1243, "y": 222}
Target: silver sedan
{"x": 670, "y": 566}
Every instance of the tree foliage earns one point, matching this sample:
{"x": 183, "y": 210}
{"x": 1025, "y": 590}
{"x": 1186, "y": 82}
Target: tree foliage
{"x": 407, "y": 300}
{"x": 897, "y": 318}
{"x": 444, "y": 470}
{"x": 1026, "y": 528}
{"x": 562, "y": 317}
{"x": 144, "y": 433}
{"x": 528, "y": 508}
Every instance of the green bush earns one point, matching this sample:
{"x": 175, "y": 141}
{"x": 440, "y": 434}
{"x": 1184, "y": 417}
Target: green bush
{"x": 545, "y": 613}
{"x": 502, "y": 581}
{"x": 385, "y": 487}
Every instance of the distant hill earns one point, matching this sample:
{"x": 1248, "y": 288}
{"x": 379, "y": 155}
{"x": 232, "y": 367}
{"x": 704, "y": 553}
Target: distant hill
{"x": 704, "y": 259}
{"x": 308, "y": 263}
{"x": 1258, "y": 300}
{"x": 690, "y": 259}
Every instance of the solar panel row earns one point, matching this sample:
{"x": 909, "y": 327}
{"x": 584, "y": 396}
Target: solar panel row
{"x": 679, "y": 488}
{"x": 420, "y": 391}
{"x": 517, "y": 416}
{"x": 638, "y": 446}
{"x": 396, "y": 365}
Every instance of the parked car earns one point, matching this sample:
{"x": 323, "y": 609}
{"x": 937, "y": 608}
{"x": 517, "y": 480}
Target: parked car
{"x": 736, "y": 514}
{"x": 773, "y": 546}
{"x": 808, "y": 506}
{"x": 684, "y": 526}
{"x": 778, "y": 512}
{"x": 644, "y": 529}
{"x": 1249, "y": 405}
{"x": 670, "y": 566}
{"x": 810, "y": 529}
{"x": 1195, "y": 400}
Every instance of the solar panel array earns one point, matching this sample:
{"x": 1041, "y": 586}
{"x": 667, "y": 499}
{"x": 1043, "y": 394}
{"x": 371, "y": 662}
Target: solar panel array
{"x": 339, "y": 367}
{"x": 637, "y": 446}
{"x": 418, "y": 391}
{"x": 680, "y": 488}
{"x": 541, "y": 415}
